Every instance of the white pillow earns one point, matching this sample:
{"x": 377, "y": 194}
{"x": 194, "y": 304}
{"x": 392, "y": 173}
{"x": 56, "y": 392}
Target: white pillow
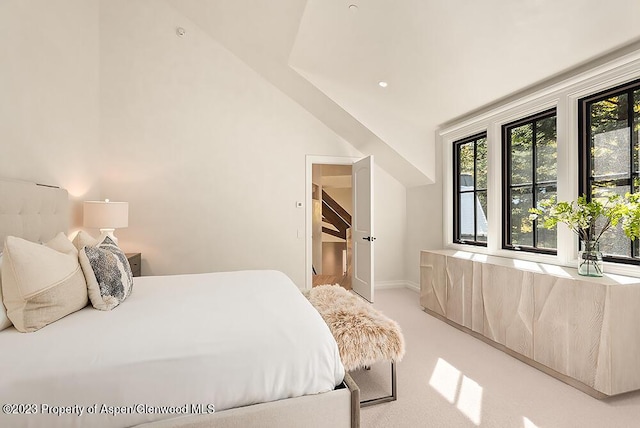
{"x": 83, "y": 239}
{"x": 108, "y": 274}
{"x": 4, "y": 320}
{"x": 40, "y": 285}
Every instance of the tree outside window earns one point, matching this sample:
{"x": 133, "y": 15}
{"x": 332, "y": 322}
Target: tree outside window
{"x": 609, "y": 157}
{"x": 529, "y": 148}
{"x": 470, "y": 190}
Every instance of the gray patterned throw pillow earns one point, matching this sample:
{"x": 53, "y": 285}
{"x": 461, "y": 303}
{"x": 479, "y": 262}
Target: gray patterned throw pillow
{"x": 108, "y": 274}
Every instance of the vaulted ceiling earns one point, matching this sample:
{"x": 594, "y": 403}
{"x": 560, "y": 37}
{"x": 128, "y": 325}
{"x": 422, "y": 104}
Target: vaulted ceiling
{"x": 440, "y": 58}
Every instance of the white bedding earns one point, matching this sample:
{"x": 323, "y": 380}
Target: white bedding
{"x": 225, "y": 339}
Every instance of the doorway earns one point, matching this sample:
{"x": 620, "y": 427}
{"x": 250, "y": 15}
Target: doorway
{"x": 332, "y": 208}
{"x": 352, "y": 264}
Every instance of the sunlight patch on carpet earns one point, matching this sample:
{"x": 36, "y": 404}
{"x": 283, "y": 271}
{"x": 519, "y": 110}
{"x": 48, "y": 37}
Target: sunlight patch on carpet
{"x": 458, "y": 389}
{"x": 470, "y": 400}
{"x": 445, "y": 379}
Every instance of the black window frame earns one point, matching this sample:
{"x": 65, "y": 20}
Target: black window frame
{"x": 535, "y": 184}
{"x": 456, "y": 189}
{"x": 585, "y": 179}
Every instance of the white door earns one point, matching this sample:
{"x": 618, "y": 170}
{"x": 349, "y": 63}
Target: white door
{"x": 362, "y": 227}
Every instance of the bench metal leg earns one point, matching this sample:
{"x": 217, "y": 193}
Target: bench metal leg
{"x": 388, "y": 398}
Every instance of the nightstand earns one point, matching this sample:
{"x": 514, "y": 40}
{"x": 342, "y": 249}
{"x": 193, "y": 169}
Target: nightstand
{"x": 135, "y": 260}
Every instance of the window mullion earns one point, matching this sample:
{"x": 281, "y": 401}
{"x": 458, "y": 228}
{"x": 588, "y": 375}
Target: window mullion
{"x": 533, "y": 177}
{"x": 630, "y": 102}
{"x": 456, "y": 192}
{"x": 475, "y": 190}
{"x": 507, "y": 188}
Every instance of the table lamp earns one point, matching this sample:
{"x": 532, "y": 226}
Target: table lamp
{"x": 106, "y": 216}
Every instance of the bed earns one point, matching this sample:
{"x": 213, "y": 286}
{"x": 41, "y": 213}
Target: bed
{"x": 218, "y": 349}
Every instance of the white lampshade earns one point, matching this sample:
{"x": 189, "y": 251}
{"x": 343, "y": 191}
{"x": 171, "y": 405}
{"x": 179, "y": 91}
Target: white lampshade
{"x": 106, "y": 216}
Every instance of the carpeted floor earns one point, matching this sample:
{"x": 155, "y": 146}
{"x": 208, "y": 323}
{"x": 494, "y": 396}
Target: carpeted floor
{"x": 450, "y": 379}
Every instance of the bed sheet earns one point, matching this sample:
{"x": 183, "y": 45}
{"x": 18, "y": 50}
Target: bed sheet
{"x": 179, "y": 344}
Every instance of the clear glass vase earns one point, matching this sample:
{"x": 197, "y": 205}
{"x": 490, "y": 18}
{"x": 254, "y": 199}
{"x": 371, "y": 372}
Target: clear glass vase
{"x": 590, "y": 259}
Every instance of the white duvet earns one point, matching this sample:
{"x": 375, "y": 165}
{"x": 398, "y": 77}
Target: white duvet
{"x": 190, "y": 343}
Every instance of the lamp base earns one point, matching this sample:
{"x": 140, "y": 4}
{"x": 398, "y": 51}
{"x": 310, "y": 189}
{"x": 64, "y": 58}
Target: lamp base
{"x": 109, "y": 233}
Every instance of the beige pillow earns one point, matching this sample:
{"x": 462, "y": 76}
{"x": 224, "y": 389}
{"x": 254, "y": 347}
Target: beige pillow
{"x": 40, "y": 285}
{"x": 4, "y": 320}
{"x": 62, "y": 244}
{"x": 83, "y": 239}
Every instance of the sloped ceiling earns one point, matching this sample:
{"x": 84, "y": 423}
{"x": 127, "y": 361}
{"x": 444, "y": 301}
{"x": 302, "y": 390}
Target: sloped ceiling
{"x": 441, "y": 59}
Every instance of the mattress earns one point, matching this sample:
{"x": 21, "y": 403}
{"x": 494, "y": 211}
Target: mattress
{"x": 179, "y": 345}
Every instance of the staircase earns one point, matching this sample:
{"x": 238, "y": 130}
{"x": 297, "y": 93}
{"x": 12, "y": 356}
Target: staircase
{"x": 334, "y": 214}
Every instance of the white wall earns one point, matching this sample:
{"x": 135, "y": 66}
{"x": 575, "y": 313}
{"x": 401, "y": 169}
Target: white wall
{"x": 390, "y": 228}
{"x": 103, "y": 98}
{"x": 424, "y": 221}
{"x": 209, "y": 155}
{"x": 49, "y": 107}
{"x": 424, "y": 226}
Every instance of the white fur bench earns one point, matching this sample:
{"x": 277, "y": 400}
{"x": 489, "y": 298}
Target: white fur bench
{"x": 364, "y": 335}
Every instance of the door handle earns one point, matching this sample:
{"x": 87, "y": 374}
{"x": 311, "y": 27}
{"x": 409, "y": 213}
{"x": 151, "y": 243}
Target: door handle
{"x": 369, "y": 238}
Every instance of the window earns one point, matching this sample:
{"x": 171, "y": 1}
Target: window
{"x": 529, "y": 176}
{"x": 470, "y": 190}
{"x": 609, "y": 160}
{"x": 597, "y": 128}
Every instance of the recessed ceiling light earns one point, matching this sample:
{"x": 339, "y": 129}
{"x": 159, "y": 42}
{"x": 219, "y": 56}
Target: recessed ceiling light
{"x": 353, "y": 7}
{"x": 383, "y": 84}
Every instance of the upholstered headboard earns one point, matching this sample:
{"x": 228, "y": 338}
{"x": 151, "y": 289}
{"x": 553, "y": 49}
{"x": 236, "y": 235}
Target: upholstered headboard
{"x": 32, "y": 211}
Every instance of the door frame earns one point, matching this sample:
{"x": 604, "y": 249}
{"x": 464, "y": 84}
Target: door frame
{"x": 310, "y": 161}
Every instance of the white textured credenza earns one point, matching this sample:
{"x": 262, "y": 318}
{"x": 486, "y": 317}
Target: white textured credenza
{"x": 585, "y": 331}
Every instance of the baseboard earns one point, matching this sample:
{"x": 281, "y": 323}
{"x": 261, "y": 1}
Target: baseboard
{"x": 413, "y": 286}
{"x": 389, "y": 284}
{"x": 381, "y": 285}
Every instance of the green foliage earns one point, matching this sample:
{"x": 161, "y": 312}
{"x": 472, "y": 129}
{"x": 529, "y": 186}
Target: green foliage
{"x": 531, "y": 178}
{"x": 473, "y": 161}
{"x": 631, "y": 222}
{"x": 466, "y": 159}
{"x": 583, "y": 216}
